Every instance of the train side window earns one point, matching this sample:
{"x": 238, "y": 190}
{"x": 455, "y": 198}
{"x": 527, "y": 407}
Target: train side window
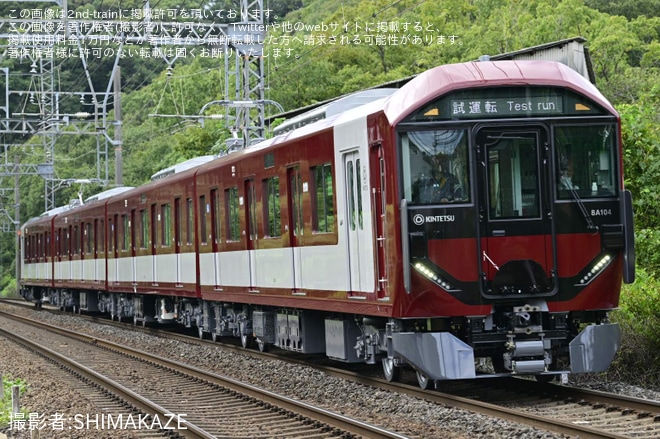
{"x": 90, "y": 238}
{"x": 358, "y": 182}
{"x": 295, "y": 192}
{"x": 132, "y": 226}
{"x": 271, "y": 205}
{"x": 251, "y": 192}
{"x": 435, "y": 166}
{"x": 125, "y": 228}
{"x": 154, "y": 227}
{"x": 215, "y": 217}
{"x": 231, "y": 213}
{"x": 47, "y": 251}
{"x": 586, "y": 160}
{"x": 69, "y": 237}
{"x": 323, "y": 199}
{"x": 203, "y": 237}
{"x": 115, "y": 234}
{"x": 350, "y": 183}
{"x": 166, "y": 224}
{"x": 68, "y": 234}
{"x": 144, "y": 228}
{"x": 58, "y": 243}
{"x": 177, "y": 222}
{"x": 189, "y": 221}
{"x": 101, "y": 236}
{"x": 98, "y": 236}
{"x": 76, "y": 240}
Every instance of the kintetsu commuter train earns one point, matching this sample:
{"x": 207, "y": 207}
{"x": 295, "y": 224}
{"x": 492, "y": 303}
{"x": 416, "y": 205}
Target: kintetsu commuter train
{"x": 474, "y": 217}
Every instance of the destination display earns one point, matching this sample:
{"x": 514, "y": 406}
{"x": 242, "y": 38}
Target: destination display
{"x": 506, "y": 102}
{"x": 504, "y": 107}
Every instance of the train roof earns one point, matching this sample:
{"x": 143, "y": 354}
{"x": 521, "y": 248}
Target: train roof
{"x": 183, "y": 166}
{"x": 107, "y": 194}
{"x": 338, "y": 106}
{"x": 441, "y": 80}
{"x": 448, "y": 78}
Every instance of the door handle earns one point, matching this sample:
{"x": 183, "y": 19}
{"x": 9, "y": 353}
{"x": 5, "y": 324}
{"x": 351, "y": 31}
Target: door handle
{"x": 499, "y": 232}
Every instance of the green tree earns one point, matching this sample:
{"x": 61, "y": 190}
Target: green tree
{"x": 628, "y": 8}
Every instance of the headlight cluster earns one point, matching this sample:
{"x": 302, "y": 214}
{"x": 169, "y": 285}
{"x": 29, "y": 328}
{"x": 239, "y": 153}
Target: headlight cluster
{"x": 597, "y": 268}
{"x": 432, "y": 275}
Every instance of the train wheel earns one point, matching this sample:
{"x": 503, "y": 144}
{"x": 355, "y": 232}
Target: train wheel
{"x": 200, "y": 332}
{"x": 263, "y": 346}
{"x": 246, "y": 340}
{"x": 498, "y": 364}
{"x": 544, "y": 379}
{"x": 392, "y": 372}
{"x": 214, "y": 336}
{"x": 135, "y": 321}
{"x": 423, "y": 380}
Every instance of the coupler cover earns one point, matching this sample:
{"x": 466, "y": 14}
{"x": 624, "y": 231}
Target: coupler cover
{"x": 439, "y": 355}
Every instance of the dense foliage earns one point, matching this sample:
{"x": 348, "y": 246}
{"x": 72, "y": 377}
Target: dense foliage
{"x": 639, "y": 316}
{"x": 361, "y": 43}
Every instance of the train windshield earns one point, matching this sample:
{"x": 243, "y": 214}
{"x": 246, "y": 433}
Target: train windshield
{"x": 435, "y": 166}
{"x": 585, "y": 161}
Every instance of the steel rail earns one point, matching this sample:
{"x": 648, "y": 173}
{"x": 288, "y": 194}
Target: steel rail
{"x": 144, "y": 405}
{"x": 344, "y": 423}
{"x": 495, "y": 410}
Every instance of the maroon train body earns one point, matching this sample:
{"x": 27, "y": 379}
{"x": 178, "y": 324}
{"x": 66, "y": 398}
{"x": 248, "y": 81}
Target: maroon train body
{"x": 476, "y": 213}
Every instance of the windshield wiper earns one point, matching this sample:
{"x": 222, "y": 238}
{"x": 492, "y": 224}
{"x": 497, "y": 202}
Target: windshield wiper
{"x": 583, "y": 210}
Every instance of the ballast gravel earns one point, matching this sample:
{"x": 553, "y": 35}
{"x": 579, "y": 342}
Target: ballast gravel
{"x": 48, "y": 393}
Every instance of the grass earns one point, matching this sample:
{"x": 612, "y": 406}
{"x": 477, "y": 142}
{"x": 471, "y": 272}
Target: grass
{"x": 5, "y": 403}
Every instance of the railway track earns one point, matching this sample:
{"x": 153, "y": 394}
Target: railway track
{"x": 565, "y": 410}
{"x": 180, "y": 398}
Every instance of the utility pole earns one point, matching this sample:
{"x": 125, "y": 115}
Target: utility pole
{"x": 119, "y": 141}
{"x": 17, "y": 223}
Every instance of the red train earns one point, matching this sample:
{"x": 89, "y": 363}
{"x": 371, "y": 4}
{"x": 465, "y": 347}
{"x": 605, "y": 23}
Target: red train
{"x": 476, "y": 213}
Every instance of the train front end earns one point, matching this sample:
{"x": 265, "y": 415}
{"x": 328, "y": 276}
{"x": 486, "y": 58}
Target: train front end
{"x": 516, "y": 231}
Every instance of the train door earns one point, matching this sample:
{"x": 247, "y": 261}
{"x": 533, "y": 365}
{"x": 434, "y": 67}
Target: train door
{"x": 517, "y": 245}
{"x": 132, "y": 228}
{"x": 215, "y": 236}
{"x": 93, "y": 249}
{"x": 295, "y": 224}
{"x": 378, "y": 207}
{"x": 71, "y": 242}
{"x": 358, "y": 245}
{"x": 251, "y": 229}
{"x": 154, "y": 235}
{"x": 177, "y": 238}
